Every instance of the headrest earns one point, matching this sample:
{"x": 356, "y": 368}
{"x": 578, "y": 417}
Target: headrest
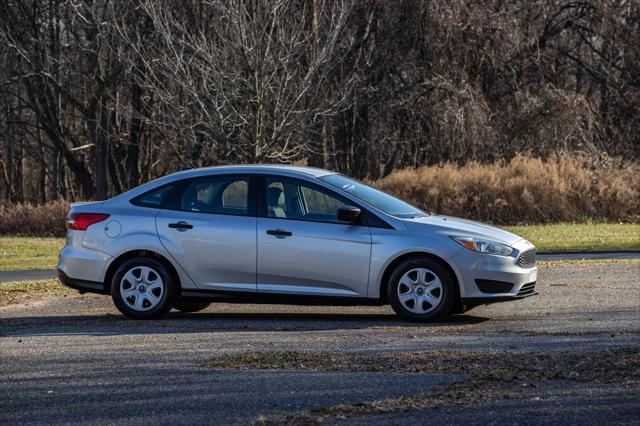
{"x": 189, "y": 197}
{"x": 275, "y": 197}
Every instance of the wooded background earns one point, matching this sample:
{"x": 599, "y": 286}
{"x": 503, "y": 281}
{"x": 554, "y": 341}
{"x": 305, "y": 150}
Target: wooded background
{"x": 99, "y": 96}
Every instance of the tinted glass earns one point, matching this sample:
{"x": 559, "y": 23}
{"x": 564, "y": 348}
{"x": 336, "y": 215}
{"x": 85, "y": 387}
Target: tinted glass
{"x": 319, "y": 203}
{"x": 373, "y": 197}
{"x": 223, "y": 195}
{"x": 289, "y": 199}
{"x": 235, "y": 195}
{"x": 153, "y": 198}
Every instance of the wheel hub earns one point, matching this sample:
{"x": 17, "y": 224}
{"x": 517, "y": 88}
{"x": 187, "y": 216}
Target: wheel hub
{"x": 142, "y": 288}
{"x": 420, "y": 291}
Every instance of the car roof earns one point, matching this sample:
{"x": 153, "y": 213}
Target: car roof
{"x": 254, "y": 168}
{"x": 284, "y": 170}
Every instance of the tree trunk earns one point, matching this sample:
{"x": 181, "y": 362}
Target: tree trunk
{"x": 101, "y": 151}
{"x": 133, "y": 150}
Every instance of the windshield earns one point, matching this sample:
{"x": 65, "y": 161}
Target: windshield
{"x": 373, "y": 197}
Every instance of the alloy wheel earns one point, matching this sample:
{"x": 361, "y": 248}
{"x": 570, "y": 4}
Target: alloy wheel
{"x": 142, "y": 288}
{"x": 420, "y": 291}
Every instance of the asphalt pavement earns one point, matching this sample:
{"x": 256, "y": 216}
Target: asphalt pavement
{"x": 26, "y": 275}
{"x": 555, "y": 403}
{"x": 589, "y": 255}
{"x": 76, "y": 360}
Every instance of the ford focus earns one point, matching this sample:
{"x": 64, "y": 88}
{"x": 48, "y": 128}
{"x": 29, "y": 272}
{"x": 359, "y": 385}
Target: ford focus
{"x": 287, "y": 235}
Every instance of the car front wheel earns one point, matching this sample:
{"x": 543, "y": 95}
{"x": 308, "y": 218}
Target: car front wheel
{"x": 142, "y": 288}
{"x": 421, "y": 290}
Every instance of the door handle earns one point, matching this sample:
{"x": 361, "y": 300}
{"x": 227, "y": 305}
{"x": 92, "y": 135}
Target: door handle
{"x": 280, "y": 233}
{"x": 181, "y": 226}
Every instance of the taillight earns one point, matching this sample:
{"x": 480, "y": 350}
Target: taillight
{"x": 81, "y": 221}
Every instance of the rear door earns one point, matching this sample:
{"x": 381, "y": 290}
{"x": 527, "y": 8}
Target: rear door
{"x": 209, "y": 227}
{"x": 303, "y": 248}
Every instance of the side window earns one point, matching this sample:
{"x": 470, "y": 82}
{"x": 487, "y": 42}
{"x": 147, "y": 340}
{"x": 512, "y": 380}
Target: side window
{"x": 235, "y": 195}
{"x": 319, "y": 203}
{"x": 153, "y": 198}
{"x": 276, "y": 201}
{"x": 222, "y": 195}
{"x": 295, "y": 200}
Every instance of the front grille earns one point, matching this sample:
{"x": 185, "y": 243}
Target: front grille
{"x": 527, "y": 259}
{"x": 527, "y": 289}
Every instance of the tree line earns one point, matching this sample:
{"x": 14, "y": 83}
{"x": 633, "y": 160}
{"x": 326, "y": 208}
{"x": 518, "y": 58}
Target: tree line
{"x": 97, "y": 96}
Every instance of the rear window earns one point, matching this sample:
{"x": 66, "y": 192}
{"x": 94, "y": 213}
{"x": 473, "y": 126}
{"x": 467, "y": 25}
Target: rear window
{"x": 217, "y": 195}
{"x": 154, "y": 198}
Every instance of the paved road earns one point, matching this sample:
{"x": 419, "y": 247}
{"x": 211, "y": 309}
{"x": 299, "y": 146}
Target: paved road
{"x": 26, "y": 275}
{"x": 75, "y": 359}
{"x": 590, "y": 255}
{"x": 560, "y": 403}
{"x": 42, "y": 274}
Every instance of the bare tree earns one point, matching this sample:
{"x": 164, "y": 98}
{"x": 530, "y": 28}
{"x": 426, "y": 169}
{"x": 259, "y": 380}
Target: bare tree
{"x": 241, "y": 81}
{"x": 98, "y": 96}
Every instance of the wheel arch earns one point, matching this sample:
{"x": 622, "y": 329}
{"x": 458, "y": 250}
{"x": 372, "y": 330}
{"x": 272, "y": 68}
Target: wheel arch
{"x": 386, "y": 275}
{"x": 133, "y": 254}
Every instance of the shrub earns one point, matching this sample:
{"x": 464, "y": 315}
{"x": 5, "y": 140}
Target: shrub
{"x": 47, "y": 220}
{"x": 524, "y": 190}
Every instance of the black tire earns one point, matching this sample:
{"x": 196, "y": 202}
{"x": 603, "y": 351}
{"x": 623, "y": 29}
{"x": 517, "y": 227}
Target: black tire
{"x": 448, "y": 297}
{"x": 167, "y": 296}
{"x": 184, "y": 305}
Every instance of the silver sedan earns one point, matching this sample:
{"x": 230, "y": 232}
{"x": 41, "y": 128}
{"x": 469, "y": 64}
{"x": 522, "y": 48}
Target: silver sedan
{"x": 286, "y": 234}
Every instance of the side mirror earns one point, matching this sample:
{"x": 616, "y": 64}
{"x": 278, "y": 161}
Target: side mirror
{"x": 349, "y": 213}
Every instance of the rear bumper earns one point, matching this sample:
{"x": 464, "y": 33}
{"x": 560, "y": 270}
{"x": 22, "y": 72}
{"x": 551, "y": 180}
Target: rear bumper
{"x": 81, "y": 285}
{"x": 80, "y": 264}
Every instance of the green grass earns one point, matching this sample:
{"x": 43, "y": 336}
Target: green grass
{"x": 586, "y": 236}
{"x": 29, "y": 252}
{"x": 36, "y": 253}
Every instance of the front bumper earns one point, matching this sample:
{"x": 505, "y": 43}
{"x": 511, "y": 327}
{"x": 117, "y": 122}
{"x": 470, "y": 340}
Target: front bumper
{"x": 490, "y": 279}
{"x": 527, "y": 290}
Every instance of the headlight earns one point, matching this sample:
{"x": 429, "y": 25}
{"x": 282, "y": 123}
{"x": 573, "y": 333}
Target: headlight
{"x": 484, "y": 246}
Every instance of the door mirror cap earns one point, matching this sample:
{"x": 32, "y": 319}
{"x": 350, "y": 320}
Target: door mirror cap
{"x": 349, "y": 213}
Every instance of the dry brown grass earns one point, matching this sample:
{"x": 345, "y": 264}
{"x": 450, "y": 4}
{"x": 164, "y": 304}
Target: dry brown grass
{"x": 46, "y": 220}
{"x": 524, "y": 190}
{"x": 30, "y": 291}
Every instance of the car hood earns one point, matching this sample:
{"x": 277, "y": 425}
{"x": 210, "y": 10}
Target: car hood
{"x": 454, "y": 226}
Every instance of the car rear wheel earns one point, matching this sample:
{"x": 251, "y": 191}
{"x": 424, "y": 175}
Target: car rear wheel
{"x": 190, "y": 305}
{"x": 421, "y": 290}
{"x": 143, "y": 288}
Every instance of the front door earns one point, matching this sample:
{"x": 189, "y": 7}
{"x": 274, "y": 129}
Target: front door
{"x": 210, "y": 230}
{"x": 303, "y": 248}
